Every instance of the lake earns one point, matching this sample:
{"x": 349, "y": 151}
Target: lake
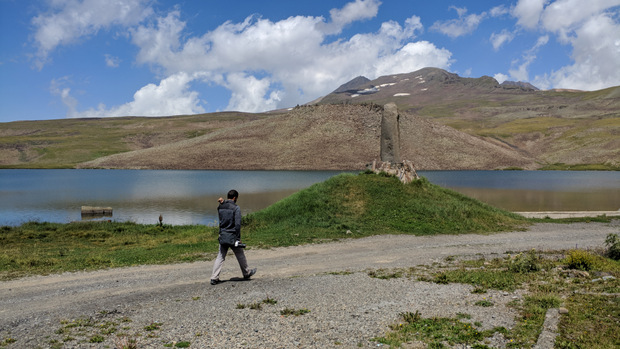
{"x": 190, "y": 197}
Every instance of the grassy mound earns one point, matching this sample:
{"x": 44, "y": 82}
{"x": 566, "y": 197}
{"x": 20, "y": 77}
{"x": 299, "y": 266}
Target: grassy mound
{"x": 368, "y": 204}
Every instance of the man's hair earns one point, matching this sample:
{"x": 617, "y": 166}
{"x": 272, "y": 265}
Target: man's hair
{"x": 233, "y": 194}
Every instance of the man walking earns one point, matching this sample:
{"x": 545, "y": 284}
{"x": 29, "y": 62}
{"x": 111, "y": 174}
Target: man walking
{"x": 230, "y": 236}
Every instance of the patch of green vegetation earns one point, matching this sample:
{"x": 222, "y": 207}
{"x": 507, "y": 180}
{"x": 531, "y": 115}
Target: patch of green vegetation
{"x": 391, "y": 273}
{"x": 580, "y": 167}
{"x": 435, "y": 332}
{"x": 484, "y": 303}
{"x": 580, "y": 260}
{"x": 484, "y": 279}
{"x": 295, "y": 312}
{"x": 591, "y": 322}
{"x": 270, "y": 301}
{"x": 153, "y": 326}
{"x": 258, "y": 305}
{"x": 532, "y": 316}
{"x": 612, "y": 242}
{"x": 101, "y": 329}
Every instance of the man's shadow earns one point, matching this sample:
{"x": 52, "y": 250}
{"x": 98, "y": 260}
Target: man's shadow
{"x": 237, "y": 279}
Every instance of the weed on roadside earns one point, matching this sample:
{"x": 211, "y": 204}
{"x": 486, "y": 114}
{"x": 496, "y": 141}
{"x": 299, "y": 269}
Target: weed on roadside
{"x": 484, "y": 303}
{"x": 105, "y": 328}
{"x": 433, "y": 331}
{"x": 386, "y": 274}
{"x": 295, "y": 312}
{"x": 258, "y": 305}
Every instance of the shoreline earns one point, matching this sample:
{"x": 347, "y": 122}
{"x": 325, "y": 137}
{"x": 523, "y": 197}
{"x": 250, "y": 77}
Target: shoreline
{"x": 568, "y": 214}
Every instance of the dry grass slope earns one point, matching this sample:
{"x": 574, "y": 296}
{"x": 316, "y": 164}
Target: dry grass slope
{"x": 325, "y": 137}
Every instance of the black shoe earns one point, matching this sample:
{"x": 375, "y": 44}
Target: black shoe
{"x": 252, "y": 272}
{"x": 215, "y": 282}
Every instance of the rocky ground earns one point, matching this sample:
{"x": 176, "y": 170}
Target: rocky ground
{"x": 336, "y": 303}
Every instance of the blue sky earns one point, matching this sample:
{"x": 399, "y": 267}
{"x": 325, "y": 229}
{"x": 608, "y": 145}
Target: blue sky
{"x": 99, "y": 58}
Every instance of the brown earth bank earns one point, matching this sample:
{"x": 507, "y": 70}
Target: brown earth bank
{"x": 323, "y": 137}
{"x": 163, "y": 304}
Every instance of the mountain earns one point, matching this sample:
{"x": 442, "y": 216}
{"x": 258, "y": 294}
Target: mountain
{"x": 558, "y": 126}
{"x": 353, "y": 84}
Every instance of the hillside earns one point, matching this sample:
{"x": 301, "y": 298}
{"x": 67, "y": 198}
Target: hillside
{"x": 326, "y": 137}
{"x": 65, "y": 143}
{"x": 559, "y": 126}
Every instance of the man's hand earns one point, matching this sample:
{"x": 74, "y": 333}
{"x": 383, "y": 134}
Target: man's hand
{"x": 220, "y": 200}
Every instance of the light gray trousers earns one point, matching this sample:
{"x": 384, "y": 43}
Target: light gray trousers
{"x": 221, "y": 257}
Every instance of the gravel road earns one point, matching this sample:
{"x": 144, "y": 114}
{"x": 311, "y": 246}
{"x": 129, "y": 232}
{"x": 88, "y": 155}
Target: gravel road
{"x": 166, "y": 304}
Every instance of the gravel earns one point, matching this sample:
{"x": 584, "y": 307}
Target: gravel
{"x": 346, "y": 308}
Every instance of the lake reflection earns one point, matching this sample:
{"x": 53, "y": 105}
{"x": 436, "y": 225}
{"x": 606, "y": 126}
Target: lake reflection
{"x": 190, "y": 197}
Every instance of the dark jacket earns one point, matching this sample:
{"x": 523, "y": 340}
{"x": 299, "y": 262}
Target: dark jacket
{"x": 230, "y": 222}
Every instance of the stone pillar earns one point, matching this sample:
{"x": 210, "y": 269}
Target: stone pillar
{"x": 390, "y": 134}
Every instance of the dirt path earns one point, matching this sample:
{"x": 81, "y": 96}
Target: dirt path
{"x": 29, "y": 304}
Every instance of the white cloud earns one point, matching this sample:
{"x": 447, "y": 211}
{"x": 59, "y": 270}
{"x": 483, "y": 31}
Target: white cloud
{"x": 592, "y": 28}
{"x": 351, "y": 12}
{"x": 264, "y": 64}
{"x": 70, "y": 20}
{"x": 528, "y": 12}
{"x": 412, "y": 57}
{"x": 521, "y": 73}
{"x": 112, "y": 61}
{"x": 269, "y": 65}
{"x": 596, "y": 55}
{"x": 499, "y": 11}
{"x": 564, "y": 16}
{"x": 248, "y": 93}
{"x": 500, "y": 77}
{"x": 171, "y": 97}
{"x": 463, "y": 25}
{"x": 57, "y": 88}
{"x": 501, "y": 38}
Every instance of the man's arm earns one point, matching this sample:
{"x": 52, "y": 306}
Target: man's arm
{"x": 238, "y": 221}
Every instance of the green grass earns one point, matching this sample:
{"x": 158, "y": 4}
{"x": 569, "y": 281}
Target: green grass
{"x": 580, "y": 167}
{"x": 42, "y": 248}
{"x": 435, "y": 332}
{"x": 591, "y": 322}
{"x": 295, "y": 312}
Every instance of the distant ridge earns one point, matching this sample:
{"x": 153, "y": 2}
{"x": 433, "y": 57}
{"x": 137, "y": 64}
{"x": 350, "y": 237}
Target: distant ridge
{"x": 519, "y": 84}
{"x": 353, "y": 84}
